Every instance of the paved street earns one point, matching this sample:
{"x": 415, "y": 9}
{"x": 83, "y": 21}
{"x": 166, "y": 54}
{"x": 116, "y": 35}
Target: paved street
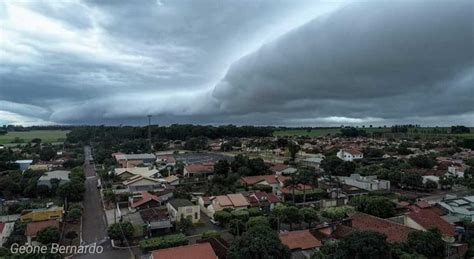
{"x": 94, "y": 227}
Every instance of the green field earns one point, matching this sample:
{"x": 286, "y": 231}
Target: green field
{"x": 319, "y": 132}
{"x": 46, "y": 136}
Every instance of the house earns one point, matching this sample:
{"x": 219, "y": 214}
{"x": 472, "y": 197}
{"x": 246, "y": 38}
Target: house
{"x": 279, "y": 168}
{"x": 53, "y": 212}
{"x": 140, "y": 183}
{"x": 395, "y": 232}
{"x": 301, "y": 243}
{"x": 194, "y": 251}
{"x": 172, "y": 180}
{"x": 126, "y": 173}
{"x": 34, "y": 227}
{"x": 312, "y": 161}
{"x": 62, "y": 177}
{"x": 350, "y": 154}
{"x": 458, "y": 209}
{"x": 24, "y": 164}
{"x": 235, "y": 201}
{"x": 274, "y": 181}
{"x": 181, "y": 208}
{"x": 198, "y": 170}
{"x": 219, "y": 245}
{"x": 425, "y": 218}
{"x": 6, "y": 228}
{"x": 263, "y": 200}
{"x": 145, "y": 200}
{"x": 157, "y": 220}
{"x": 132, "y": 160}
{"x": 40, "y": 167}
{"x": 368, "y": 183}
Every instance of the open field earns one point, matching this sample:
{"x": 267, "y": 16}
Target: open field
{"x": 319, "y": 132}
{"x": 46, "y": 136}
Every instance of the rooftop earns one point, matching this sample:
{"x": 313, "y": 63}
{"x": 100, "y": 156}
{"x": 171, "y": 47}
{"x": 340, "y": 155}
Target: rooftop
{"x": 395, "y": 232}
{"x": 178, "y": 203}
{"x": 299, "y": 239}
{"x": 195, "y": 251}
{"x": 33, "y": 227}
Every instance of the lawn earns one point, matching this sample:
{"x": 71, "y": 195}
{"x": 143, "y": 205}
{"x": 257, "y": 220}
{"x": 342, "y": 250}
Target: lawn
{"x": 46, "y": 136}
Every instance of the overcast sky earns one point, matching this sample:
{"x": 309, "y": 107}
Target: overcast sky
{"x": 272, "y": 62}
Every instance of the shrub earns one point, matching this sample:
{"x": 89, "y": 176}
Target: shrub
{"x": 163, "y": 242}
{"x": 211, "y": 233}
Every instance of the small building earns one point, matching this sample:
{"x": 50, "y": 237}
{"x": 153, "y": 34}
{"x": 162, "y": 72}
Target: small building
{"x": 24, "y": 164}
{"x": 275, "y": 181}
{"x": 369, "y": 183}
{"x": 140, "y": 183}
{"x": 143, "y": 200}
{"x": 350, "y": 154}
{"x": 181, "y": 208}
{"x": 6, "y": 228}
{"x": 195, "y": 251}
{"x": 157, "y": 220}
{"x": 235, "y": 201}
{"x": 301, "y": 243}
{"x": 33, "y": 215}
{"x": 127, "y": 173}
{"x": 34, "y": 227}
{"x": 264, "y": 201}
{"x": 61, "y": 175}
{"x": 132, "y": 160}
{"x": 312, "y": 161}
{"x": 198, "y": 170}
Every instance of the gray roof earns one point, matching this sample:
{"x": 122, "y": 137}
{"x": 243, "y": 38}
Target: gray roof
{"x": 135, "y": 156}
{"x": 58, "y": 174}
{"x": 177, "y": 203}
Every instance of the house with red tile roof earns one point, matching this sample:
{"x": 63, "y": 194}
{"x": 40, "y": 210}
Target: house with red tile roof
{"x": 234, "y": 201}
{"x": 34, "y": 227}
{"x": 198, "y": 170}
{"x": 146, "y": 200}
{"x": 195, "y": 251}
{"x": 275, "y": 181}
{"x": 263, "y": 200}
{"x": 425, "y": 218}
{"x": 300, "y": 242}
{"x": 395, "y": 232}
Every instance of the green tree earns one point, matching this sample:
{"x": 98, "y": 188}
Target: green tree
{"x": 363, "y": 244}
{"x": 430, "y": 184}
{"x": 411, "y": 180}
{"x": 427, "y": 243}
{"x": 120, "y": 231}
{"x": 378, "y": 206}
{"x": 184, "y": 225}
{"x": 257, "y": 221}
{"x": 221, "y": 167}
{"x": 293, "y": 149}
{"x": 74, "y": 214}
{"x": 422, "y": 161}
{"x": 223, "y": 217}
{"x": 309, "y": 215}
{"x": 258, "y": 242}
{"x": 292, "y": 216}
{"x": 236, "y": 227}
{"x": 48, "y": 235}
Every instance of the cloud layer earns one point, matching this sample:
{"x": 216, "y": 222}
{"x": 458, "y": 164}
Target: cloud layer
{"x": 245, "y": 62}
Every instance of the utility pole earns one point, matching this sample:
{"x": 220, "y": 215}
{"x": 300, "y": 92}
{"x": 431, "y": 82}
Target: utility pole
{"x": 149, "y": 131}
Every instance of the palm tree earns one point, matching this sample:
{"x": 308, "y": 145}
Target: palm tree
{"x": 304, "y": 177}
{"x": 293, "y": 184}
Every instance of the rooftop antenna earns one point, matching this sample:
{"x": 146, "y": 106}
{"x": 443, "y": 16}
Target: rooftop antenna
{"x": 149, "y": 130}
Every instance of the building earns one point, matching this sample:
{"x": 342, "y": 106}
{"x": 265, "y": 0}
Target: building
{"x": 458, "y": 209}
{"x": 157, "y": 220}
{"x": 181, "y": 208}
{"x": 275, "y": 181}
{"x": 195, "y": 251}
{"x": 368, "y": 183}
{"x": 264, "y": 201}
{"x": 312, "y": 161}
{"x": 53, "y": 212}
{"x": 126, "y": 173}
{"x": 62, "y": 177}
{"x": 198, "y": 170}
{"x": 140, "y": 183}
{"x": 34, "y": 227}
{"x": 395, "y": 232}
{"x": 350, "y": 154}
{"x": 132, "y": 160}
{"x": 6, "y": 228}
{"x": 24, "y": 164}
{"x": 146, "y": 200}
{"x": 301, "y": 243}
{"x": 235, "y": 201}
{"x": 425, "y": 218}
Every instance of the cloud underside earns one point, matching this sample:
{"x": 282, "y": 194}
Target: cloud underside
{"x": 365, "y": 62}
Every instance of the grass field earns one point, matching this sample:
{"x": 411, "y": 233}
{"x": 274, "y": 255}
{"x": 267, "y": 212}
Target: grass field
{"x": 319, "y": 132}
{"x": 46, "y": 136}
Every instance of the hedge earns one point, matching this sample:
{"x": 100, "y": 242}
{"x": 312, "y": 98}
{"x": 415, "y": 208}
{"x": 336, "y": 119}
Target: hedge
{"x": 163, "y": 242}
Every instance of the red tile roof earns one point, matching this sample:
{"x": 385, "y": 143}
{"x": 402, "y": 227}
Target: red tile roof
{"x": 33, "y": 227}
{"x": 251, "y": 180}
{"x": 196, "y": 251}
{"x": 199, "y": 168}
{"x": 395, "y": 232}
{"x": 429, "y": 219}
{"x": 278, "y": 167}
{"x": 299, "y": 239}
{"x": 146, "y": 197}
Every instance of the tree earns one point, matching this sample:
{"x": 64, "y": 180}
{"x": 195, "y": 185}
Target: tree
{"x": 293, "y": 148}
{"x": 71, "y": 235}
{"x": 411, "y": 180}
{"x": 221, "y": 167}
{"x": 184, "y": 225}
{"x": 72, "y": 191}
{"x": 292, "y": 216}
{"x": 330, "y": 163}
{"x": 305, "y": 177}
{"x": 309, "y": 215}
{"x": 378, "y": 206}
{"x": 257, "y": 221}
{"x": 292, "y": 182}
{"x": 430, "y": 184}
{"x": 120, "y": 231}
{"x": 337, "y": 213}
{"x": 48, "y": 235}
{"x": 422, "y": 162}
{"x": 427, "y": 243}
{"x": 258, "y": 242}
{"x": 363, "y": 244}
{"x": 74, "y": 214}
{"x": 223, "y": 217}
{"x": 236, "y": 227}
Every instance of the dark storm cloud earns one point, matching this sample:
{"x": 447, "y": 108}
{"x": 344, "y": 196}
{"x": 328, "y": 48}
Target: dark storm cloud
{"x": 382, "y": 59}
{"x": 188, "y": 62}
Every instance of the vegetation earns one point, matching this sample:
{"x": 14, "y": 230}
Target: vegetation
{"x": 378, "y": 206}
{"x": 163, "y": 242}
{"x": 46, "y": 136}
{"x": 48, "y": 235}
{"x": 120, "y": 231}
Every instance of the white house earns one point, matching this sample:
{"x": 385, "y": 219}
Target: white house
{"x": 350, "y": 154}
{"x": 61, "y": 175}
{"x": 369, "y": 183}
{"x": 181, "y": 208}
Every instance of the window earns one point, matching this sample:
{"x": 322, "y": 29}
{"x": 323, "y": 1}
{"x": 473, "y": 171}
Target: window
{"x": 195, "y": 215}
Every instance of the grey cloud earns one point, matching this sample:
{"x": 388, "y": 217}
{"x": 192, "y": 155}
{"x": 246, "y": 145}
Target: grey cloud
{"x": 387, "y": 59}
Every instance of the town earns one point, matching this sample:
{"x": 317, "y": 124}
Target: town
{"x": 190, "y": 191}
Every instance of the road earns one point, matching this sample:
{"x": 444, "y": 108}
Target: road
{"x": 94, "y": 226}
